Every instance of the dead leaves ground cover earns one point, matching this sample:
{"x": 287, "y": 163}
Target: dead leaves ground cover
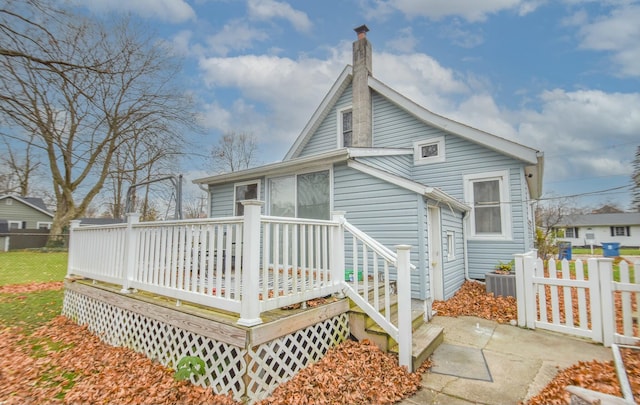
{"x": 64, "y": 363}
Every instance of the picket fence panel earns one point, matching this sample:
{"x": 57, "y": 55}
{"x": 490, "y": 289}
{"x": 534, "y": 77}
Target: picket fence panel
{"x": 586, "y": 302}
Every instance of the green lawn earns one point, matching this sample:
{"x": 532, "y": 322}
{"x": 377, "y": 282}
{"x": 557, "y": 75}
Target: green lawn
{"x": 32, "y": 310}
{"x": 22, "y": 267}
{"x": 597, "y": 251}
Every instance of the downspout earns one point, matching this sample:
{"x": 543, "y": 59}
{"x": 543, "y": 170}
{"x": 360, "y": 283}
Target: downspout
{"x": 465, "y": 231}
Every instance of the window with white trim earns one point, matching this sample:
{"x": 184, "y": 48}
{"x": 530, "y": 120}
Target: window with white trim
{"x": 571, "y": 232}
{"x": 620, "y": 231}
{"x": 44, "y": 225}
{"x": 488, "y": 195}
{"x": 304, "y": 195}
{"x": 429, "y": 151}
{"x": 15, "y": 224}
{"x": 8, "y": 201}
{"x": 248, "y": 190}
{"x": 345, "y": 128}
{"x": 451, "y": 245}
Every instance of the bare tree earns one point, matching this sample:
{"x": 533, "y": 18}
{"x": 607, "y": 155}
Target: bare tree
{"x": 549, "y": 215}
{"x": 21, "y": 167}
{"x": 85, "y": 94}
{"x": 234, "y": 151}
{"x": 141, "y": 158}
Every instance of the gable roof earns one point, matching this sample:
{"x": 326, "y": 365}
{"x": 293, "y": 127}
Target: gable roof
{"x": 499, "y": 144}
{"x": 33, "y": 202}
{"x": 616, "y": 219}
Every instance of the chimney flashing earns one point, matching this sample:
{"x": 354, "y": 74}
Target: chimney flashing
{"x": 361, "y": 31}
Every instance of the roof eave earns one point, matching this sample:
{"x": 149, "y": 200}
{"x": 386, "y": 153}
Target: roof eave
{"x": 325, "y": 158}
{"x": 321, "y": 112}
{"x": 491, "y": 141}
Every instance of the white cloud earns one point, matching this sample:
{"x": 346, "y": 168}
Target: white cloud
{"x": 473, "y": 11}
{"x": 268, "y": 9}
{"x": 235, "y": 35}
{"x": 174, "y": 11}
{"x": 583, "y": 133}
{"x": 278, "y": 95}
{"x": 404, "y": 42}
{"x": 617, "y": 33}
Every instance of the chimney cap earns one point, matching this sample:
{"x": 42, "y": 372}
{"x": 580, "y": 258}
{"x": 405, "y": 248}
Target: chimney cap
{"x": 363, "y": 29}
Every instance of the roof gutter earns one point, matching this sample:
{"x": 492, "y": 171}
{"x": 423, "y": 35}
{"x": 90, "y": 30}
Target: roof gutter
{"x": 277, "y": 168}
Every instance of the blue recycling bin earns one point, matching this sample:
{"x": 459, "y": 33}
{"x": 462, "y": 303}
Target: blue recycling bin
{"x": 610, "y": 249}
{"x": 564, "y": 250}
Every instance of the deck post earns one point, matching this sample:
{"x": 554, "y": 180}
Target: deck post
{"x": 405, "y": 336}
{"x": 73, "y": 224}
{"x": 130, "y": 242}
{"x": 337, "y": 251}
{"x": 250, "y": 303}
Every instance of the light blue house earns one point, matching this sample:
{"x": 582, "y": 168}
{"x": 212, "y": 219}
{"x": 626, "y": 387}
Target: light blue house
{"x": 459, "y": 196}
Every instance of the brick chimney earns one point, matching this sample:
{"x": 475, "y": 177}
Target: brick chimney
{"x": 361, "y": 99}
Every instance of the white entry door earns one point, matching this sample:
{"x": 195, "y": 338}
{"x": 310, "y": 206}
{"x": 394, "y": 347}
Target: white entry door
{"x": 434, "y": 242}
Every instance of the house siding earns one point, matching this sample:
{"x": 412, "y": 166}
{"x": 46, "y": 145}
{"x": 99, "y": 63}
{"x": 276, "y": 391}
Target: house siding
{"x": 603, "y": 235}
{"x": 221, "y": 198}
{"x": 17, "y": 211}
{"x": 395, "y": 128}
{"x": 453, "y": 267}
{"x": 326, "y": 136}
{"x": 399, "y": 165}
{"x": 389, "y": 214}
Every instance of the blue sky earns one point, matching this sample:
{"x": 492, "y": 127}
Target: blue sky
{"x": 562, "y": 76}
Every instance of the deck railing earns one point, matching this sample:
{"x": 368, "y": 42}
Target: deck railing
{"x": 248, "y": 264}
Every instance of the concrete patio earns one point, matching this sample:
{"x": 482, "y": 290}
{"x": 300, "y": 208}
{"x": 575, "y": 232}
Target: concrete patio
{"x": 483, "y": 362}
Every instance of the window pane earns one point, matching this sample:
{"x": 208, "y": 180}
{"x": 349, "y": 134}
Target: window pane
{"x": 347, "y": 128}
{"x": 486, "y": 196}
{"x": 313, "y": 195}
{"x": 488, "y": 220}
{"x": 245, "y": 192}
{"x": 430, "y": 150}
{"x": 620, "y": 231}
{"x": 282, "y": 197}
{"x": 486, "y": 192}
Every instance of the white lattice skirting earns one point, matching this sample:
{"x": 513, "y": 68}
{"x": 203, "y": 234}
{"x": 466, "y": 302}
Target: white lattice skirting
{"x": 249, "y": 374}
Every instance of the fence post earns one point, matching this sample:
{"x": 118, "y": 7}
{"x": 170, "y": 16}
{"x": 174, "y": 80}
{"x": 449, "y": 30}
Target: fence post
{"x": 73, "y": 225}
{"x": 521, "y": 296}
{"x": 405, "y": 337}
{"x": 530, "y": 265}
{"x": 607, "y": 314}
{"x": 250, "y": 302}
{"x": 337, "y": 250}
{"x": 130, "y": 243}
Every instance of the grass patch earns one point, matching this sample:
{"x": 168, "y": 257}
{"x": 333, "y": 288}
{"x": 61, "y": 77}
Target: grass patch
{"x": 22, "y": 267}
{"x": 30, "y": 311}
{"x": 597, "y": 251}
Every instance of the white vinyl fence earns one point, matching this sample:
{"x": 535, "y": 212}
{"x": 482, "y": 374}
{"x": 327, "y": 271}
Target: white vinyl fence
{"x": 590, "y": 300}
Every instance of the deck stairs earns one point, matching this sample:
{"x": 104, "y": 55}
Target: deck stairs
{"x": 426, "y": 336}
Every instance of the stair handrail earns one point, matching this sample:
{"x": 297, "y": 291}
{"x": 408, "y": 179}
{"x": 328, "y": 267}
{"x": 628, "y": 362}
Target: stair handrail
{"x": 388, "y": 254}
{"x": 402, "y": 332}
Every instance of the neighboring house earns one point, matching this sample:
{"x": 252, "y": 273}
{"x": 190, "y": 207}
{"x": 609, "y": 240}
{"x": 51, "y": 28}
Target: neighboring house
{"x": 596, "y": 229}
{"x": 25, "y": 212}
{"x": 459, "y": 196}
